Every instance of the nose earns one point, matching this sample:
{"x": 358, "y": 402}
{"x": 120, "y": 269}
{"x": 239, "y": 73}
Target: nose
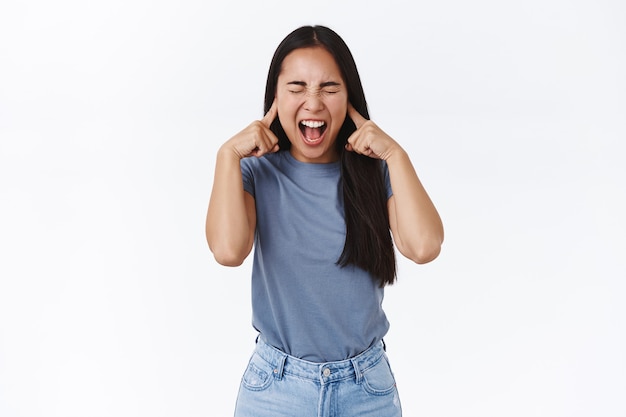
{"x": 313, "y": 101}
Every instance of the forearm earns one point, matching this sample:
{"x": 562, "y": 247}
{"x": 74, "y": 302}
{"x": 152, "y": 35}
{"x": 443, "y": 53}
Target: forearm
{"x": 228, "y": 228}
{"x": 418, "y": 230}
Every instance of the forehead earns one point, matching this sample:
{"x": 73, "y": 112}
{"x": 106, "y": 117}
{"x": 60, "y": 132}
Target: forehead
{"x": 315, "y": 63}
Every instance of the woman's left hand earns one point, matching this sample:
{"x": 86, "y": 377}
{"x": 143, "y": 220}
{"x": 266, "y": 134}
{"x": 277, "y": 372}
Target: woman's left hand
{"x": 368, "y": 139}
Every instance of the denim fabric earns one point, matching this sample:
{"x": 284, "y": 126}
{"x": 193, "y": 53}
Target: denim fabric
{"x": 275, "y": 384}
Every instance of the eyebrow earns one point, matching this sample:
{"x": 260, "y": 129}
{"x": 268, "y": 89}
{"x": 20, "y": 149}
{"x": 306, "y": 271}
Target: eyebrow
{"x": 322, "y": 85}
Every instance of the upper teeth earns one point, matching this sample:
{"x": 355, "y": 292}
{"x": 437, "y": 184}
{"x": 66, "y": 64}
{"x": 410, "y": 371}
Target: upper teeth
{"x": 312, "y": 123}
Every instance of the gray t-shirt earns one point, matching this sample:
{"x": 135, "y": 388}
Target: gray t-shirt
{"x": 302, "y": 302}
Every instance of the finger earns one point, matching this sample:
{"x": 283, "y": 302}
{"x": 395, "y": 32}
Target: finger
{"x": 259, "y": 152}
{"x": 267, "y": 142}
{"x": 356, "y": 116}
{"x": 270, "y": 115}
{"x": 359, "y": 143}
{"x": 355, "y": 144}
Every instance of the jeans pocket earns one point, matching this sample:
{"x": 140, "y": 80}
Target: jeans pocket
{"x": 379, "y": 379}
{"x": 258, "y": 374}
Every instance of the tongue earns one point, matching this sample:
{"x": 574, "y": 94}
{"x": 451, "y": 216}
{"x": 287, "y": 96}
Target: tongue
{"x": 312, "y": 132}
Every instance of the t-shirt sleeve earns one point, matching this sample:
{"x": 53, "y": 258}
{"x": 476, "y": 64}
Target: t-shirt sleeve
{"x": 247, "y": 174}
{"x": 386, "y": 180}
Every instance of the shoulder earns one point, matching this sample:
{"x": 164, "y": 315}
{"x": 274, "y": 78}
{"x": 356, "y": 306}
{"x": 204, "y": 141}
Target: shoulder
{"x": 265, "y": 167}
{"x": 384, "y": 167}
{"x": 270, "y": 159}
{"x": 253, "y": 164}
{"x": 386, "y": 179}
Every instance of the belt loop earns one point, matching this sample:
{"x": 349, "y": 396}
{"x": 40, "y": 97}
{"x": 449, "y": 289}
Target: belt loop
{"x": 357, "y": 371}
{"x": 280, "y": 367}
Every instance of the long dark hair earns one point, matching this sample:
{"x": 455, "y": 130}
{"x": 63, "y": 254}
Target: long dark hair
{"x": 368, "y": 242}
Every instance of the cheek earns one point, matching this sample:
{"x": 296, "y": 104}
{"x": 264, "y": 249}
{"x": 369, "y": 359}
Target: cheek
{"x": 285, "y": 114}
{"x": 339, "y": 113}
{"x": 338, "y": 106}
{"x": 286, "y": 105}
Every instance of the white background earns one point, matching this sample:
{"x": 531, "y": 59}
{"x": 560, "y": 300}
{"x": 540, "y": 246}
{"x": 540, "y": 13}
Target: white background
{"x": 110, "y": 116}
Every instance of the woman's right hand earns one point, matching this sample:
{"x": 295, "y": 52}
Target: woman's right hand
{"x": 257, "y": 139}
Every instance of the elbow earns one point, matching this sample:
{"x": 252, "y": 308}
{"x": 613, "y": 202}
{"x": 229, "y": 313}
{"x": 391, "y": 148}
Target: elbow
{"x": 426, "y": 254}
{"x": 424, "y": 251}
{"x": 229, "y": 254}
{"x": 228, "y": 251}
{"x": 229, "y": 261}
{"x": 229, "y": 257}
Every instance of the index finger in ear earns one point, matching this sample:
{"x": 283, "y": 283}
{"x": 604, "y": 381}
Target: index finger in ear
{"x": 355, "y": 116}
{"x": 270, "y": 115}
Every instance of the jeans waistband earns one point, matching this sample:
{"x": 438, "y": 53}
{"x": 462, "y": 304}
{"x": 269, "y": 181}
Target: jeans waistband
{"x": 325, "y": 372}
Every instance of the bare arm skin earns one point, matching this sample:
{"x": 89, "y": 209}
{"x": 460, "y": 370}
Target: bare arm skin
{"x": 415, "y": 223}
{"x": 231, "y": 216}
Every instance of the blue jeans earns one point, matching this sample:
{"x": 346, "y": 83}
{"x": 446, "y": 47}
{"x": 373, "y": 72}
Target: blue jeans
{"x": 278, "y": 385}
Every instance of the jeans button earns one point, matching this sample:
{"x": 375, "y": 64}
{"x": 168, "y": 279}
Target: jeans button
{"x": 326, "y": 372}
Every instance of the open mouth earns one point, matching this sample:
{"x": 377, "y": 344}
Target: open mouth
{"x": 312, "y": 130}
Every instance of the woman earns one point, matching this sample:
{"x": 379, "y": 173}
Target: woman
{"x": 317, "y": 188}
